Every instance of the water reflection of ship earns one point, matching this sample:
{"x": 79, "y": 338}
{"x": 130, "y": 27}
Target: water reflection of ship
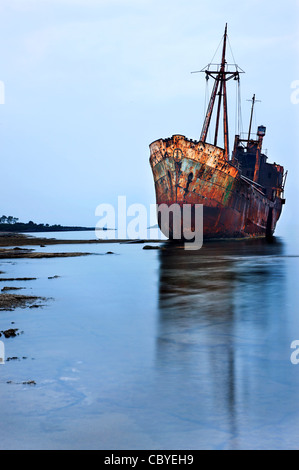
{"x": 208, "y": 301}
{"x": 197, "y": 278}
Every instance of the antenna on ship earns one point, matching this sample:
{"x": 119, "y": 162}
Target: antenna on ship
{"x": 253, "y": 100}
{"x": 221, "y": 74}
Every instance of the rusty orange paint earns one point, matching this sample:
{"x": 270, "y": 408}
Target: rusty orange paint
{"x": 193, "y": 172}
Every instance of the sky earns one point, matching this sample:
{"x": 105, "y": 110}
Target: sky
{"x": 89, "y": 84}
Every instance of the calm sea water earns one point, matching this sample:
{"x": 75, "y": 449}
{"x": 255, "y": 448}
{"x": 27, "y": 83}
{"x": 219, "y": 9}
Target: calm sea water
{"x": 154, "y": 349}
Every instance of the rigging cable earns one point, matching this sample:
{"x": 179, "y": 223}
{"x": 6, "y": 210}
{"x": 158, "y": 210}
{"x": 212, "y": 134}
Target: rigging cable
{"x": 207, "y": 97}
{"x": 240, "y": 121}
{"x": 231, "y": 51}
{"x": 216, "y": 50}
{"x": 236, "y": 111}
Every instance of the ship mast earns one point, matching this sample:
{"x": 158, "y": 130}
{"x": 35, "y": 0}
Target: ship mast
{"x": 250, "y": 122}
{"x": 253, "y": 100}
{"x": 221, "y": 76}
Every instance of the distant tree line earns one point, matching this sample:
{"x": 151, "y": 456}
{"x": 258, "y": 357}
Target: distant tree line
{"x": 12, "y": 224}
{"x": 8, "y": 220}
{"x": 15, "y": 221}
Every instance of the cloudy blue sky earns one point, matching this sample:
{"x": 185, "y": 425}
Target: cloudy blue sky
{"x": 89, "y": 84}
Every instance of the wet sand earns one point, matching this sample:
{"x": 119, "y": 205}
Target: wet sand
{"x": 17, "y": 239}
{"x": 10, "y": 302}
{"x": 19, "y": 253}
{"x": 20, "y": 239}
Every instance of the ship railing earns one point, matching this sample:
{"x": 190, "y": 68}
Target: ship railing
{"x": 244, "y": 136}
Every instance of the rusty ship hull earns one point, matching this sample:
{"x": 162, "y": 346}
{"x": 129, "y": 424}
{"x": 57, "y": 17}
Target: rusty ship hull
{"x": 194, "y": 172}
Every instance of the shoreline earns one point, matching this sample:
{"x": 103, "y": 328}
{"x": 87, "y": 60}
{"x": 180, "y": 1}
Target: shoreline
{"x": 9, "y": 239}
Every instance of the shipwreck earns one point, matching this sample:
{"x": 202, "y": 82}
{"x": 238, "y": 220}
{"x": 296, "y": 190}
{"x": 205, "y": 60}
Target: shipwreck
{"x": 241, "y": 192}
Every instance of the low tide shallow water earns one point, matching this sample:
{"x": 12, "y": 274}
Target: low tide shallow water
{"x": 154, "y": 349}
